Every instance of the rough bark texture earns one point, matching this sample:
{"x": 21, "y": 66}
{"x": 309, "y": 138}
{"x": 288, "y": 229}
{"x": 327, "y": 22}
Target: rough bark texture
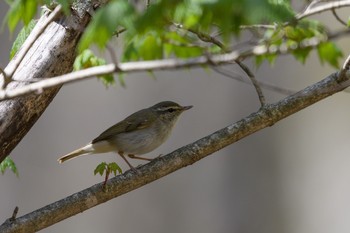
{"x": 52, "y": 54}
{"x": 187, "y": 155}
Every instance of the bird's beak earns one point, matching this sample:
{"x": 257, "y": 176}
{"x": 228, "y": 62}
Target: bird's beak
{"x": 184, "y": 108}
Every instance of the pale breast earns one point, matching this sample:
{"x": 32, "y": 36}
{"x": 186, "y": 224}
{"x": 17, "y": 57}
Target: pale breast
{"x": 141, "y": 141}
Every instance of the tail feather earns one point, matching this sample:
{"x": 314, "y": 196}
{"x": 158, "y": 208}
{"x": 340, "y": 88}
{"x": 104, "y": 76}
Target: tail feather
{"x": 79, "y": 152}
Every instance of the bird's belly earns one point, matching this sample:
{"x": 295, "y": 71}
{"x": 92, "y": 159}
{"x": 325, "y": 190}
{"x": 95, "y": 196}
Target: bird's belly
{"x": 139, "y": 142}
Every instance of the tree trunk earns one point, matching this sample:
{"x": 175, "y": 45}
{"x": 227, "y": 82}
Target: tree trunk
{"x": 52, "y": 54}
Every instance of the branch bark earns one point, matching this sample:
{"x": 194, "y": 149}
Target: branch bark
{"x": 267, "y": 116}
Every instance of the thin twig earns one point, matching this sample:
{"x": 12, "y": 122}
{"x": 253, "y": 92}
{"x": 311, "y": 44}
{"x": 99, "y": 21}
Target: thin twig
{"x": 14, "y": 214}
{"x": 254, "y": 82}
{"x": 338, "y": 18}
{"x": 208, "y": 38}
{"x": 264, "y": 85}
{"x": 338, "y": 34}
{"x": 31, "y": 39}
{"x": 258, "y": 26}
{"x": 118, "y": 32}
{"x": 6, "y": 78}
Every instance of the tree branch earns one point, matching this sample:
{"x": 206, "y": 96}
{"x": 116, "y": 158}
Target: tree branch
{"x": 128, "y": 67}
{"x": 187, "y": 155}
{"x": 52, "y": 54}
{"x": 312, "y": 10}
{"x": 37, "y": 31}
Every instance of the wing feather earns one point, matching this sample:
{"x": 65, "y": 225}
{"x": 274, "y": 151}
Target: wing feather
{"x": 131, "y": 123}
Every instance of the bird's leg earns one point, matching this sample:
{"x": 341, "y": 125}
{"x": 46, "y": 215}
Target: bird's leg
{"x": 137, "y": 157}
{"x": 122, "y": 155}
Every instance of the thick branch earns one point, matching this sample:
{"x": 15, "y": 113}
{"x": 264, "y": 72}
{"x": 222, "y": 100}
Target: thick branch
{"x": 51, "y": 54}
{"x": 187, "y": 155}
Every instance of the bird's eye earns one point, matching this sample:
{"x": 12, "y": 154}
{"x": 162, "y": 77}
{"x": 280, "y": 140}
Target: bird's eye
{"x": 171, "y": 110}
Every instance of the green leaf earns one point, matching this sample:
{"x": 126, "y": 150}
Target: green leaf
{"x": 330, "y": 53}
{"x": 8, "y": 163}
{"x": 106, "y": 21}
{"x": 20, "y": 10}
{"x": 108, "y": 168}
{"x": 100, "y": 168}
{"x": 150, "y": 47}
{"x": 114, "y": 167}
{"x": 22, "y": 36}
{"x": 187, "y": 52}
{"x": 87, "y": 59}
{"x": 301, "y": 54}
{"x": 271, "y": 58}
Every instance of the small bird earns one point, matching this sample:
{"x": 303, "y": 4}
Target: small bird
{"x": 138, "y": 134}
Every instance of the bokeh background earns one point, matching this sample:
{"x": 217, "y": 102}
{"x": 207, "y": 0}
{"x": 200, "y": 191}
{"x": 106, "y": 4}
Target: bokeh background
{"x": 293, "y": 177}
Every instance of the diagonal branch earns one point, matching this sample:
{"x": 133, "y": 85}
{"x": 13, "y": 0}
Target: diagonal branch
{"x": 338, "y": 18}
{"x": 312, "y": 10}
{"x": 187, "y": 155}
{"x": 37, "y": 31}
{"x": 254, "y": 82}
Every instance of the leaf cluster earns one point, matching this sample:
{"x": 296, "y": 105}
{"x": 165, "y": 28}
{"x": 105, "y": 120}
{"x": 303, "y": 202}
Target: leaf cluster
{"x": 25, "y": 10}
{"x": 107, "y": 168}
{"x": 293, "y": 37}
{"x": 169, "y": 29}
{"x": 87, "y": 59}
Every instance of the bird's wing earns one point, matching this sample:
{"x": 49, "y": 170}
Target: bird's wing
{"x": 130, "y": 123}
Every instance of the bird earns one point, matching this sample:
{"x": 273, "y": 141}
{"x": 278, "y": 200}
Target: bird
{"x": 138, "y": 134}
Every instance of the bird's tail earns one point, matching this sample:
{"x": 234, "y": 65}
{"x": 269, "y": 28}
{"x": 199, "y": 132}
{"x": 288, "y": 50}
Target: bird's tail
{"x": 79, "y": 152}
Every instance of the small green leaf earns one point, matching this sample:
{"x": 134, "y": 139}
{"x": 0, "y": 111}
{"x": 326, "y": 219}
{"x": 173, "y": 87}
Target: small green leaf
{"x": 151, "y": 47}
{"x": 88, "y": 59}
{"x": 131, "y": 53}
{"x": 108, "y": 168}
{"x": 20, "y": 10}
{"x": 105, "y": 22}
{"x": 114, "y": 167}
{"x": 100, "y": 168}
{"x": 8, "y": 163}
{"x": 187, "y": 52}
{"x": 301, "y": 54}
{"x": 22, "y": 36}
{"x": 271, "y": 58}
{"x": 330, "y": 53}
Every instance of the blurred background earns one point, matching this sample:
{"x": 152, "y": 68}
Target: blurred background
{"x": 293, "y": 177}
